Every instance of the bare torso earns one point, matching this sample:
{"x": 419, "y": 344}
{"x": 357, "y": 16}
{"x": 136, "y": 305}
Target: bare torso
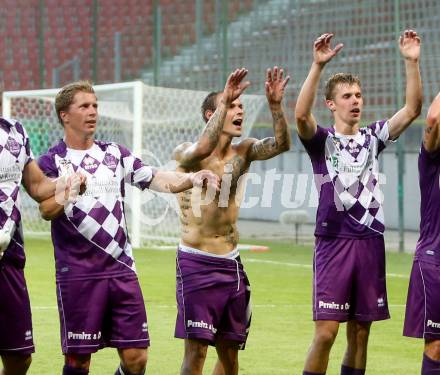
{"x": 210, "y": 224}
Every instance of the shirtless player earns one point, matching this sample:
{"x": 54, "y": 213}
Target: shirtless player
{"x": 213, "y": 292}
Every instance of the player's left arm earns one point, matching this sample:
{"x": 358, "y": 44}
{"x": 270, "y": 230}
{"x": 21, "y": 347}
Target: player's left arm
{"x": 272, "y": 146}
{"x": 409, "y": 44}
{"x": 176, "y": 182}
{"x": 36, "y": 183}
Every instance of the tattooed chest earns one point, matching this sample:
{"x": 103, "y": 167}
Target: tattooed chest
{"x": 229, "y": 170}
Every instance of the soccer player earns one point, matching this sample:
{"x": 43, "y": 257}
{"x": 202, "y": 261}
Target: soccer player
{"x": 213, "y": 292}
{"x": 422, "y": 318}
{"x": 99, "y": 298}
{"x": 349, "y": 259}
{"x": 17, "y": 165}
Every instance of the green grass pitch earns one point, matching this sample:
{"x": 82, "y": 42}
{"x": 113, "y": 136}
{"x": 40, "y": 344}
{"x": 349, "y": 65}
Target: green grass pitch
{"x": 281, "y": 330}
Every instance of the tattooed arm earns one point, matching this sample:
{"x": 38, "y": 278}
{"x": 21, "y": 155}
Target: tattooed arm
{"x": 431, "y": 138}
{"x": 188, "y": 154}
{"x": 271, "y": 146}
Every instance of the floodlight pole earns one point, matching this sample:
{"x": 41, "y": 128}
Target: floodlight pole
{"x": 400, "y": 154}
{"x": 156, "y": 42}
{"x": 224, "y": 28}
{"x": 117, "y": 52}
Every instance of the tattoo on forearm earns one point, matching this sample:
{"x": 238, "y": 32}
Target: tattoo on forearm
{"x": 214, "y": 126}
{"x": 269, "y": 147}
{"x": 428, "y": 129}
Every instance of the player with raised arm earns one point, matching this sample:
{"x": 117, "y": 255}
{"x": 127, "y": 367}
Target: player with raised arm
{"x": 17, "y": 166}
{"x": 422, "y": 318}
{"x": 99, "y": 298}
{"x": 349, "y": 259}
{"x": 213, "y": 292}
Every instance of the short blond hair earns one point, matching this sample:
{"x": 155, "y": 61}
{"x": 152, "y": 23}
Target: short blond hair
{"x": 64, "y": 98}
{"x": 339, "y": 78}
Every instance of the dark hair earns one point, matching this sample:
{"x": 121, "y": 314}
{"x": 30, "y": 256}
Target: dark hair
{"x": 64, "y": 98}
{"x": 336, "y": 79}
{"x": 209, "y": 103}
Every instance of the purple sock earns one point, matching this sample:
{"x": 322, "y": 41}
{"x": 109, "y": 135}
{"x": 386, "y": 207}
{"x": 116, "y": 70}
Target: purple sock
{"x": 345, "y": 370}
{"x": 68, "y": 370}
{"x": 430, "y": 366}
{"x": 123, "y": 371}
{"x": 312, "y": 373}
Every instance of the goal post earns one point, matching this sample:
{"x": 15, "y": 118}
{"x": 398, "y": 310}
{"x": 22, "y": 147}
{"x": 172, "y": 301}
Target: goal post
{"x": 150, "y": 121}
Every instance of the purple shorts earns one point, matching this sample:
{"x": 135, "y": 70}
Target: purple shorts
{"x": 15, "y": 312}
{"x": 101, "y": 313}
{"x": 422, "y": 316}
{"x": 349, "y": 280}
{"x": 213, "y": 299}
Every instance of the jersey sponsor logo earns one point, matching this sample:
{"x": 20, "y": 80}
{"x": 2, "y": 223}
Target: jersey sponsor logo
{"x": 83, "y": 336}
{"x": 333, "y": 305}
{"x": 432, "y": 324}
{"x": 201, "y": 324}
{"x": 12, "y": 173}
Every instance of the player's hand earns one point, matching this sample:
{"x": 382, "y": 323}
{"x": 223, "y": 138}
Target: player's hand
{"x": 82, "y": 184}
{"x": 275, "y": 85}
{"x": 322, "y": 51}
{"x": 409, "y": 44}
{"x": 205, "y": 178}
{"x": 235, "y": 86}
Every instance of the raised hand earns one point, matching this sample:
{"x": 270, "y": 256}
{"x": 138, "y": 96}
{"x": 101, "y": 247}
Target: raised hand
{"x": 235, "y": 86}
{"x": 322, "y": 51}
{"x": 409, "y": 44}
{"x": 206, "y": 178}
{"x": 275, "y": 85}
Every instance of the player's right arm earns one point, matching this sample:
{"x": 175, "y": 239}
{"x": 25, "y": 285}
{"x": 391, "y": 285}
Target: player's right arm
{"x": 67, "y": 190}
{"x": 322, "y": 54}
{"x": 431, "y": 137}
{"x": 188, "y": 154}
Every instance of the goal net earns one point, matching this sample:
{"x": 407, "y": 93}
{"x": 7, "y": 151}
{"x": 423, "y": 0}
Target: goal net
{"x": 150, "y": 121}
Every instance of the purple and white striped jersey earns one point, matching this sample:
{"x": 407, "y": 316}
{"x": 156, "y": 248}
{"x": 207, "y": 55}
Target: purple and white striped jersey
{"x": 346, "y": 171}
{"x": 428, "y": 245}
{"x": 90, "y": 238}
{"x": 15, "y": 154}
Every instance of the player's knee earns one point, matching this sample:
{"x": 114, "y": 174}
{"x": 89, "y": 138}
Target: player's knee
{"x": 135, "y": 361}
{"x": 358, "y": 334}
{"x": 79, "y": 361}
{"x": 16, "y": 364}
{"x": 433, "y": 349}
{"x": 325, "y": 338}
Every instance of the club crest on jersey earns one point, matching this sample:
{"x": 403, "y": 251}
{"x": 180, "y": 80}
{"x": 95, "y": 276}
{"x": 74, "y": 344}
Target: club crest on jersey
{"x": 89, "y": 164}
{"x": 13, "y": 146}
{"x": 66, "y": 168}
{"x": 110, "y": 161}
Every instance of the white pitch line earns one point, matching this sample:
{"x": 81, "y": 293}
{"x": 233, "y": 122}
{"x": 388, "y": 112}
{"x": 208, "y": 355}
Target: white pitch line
{"x": 259, "y": 306}
{"x": 309, "y": 266}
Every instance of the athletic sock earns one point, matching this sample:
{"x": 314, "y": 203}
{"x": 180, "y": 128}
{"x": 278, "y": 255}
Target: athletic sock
{"x": 430, "y": 366}
{"x": 123, "y": 371}
{"x": 68, "y": 370}
{"x": 312, "y": 373}
{"x": 345, "y": 370}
